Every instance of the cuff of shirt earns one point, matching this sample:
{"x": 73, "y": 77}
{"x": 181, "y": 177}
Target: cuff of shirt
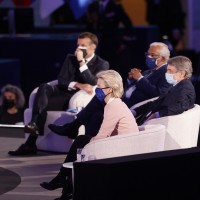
{"x": 83, "y": 68}
{"x": 129, "y": 81}
{"x": 71, "y": 86}
{"x": 157, "y": 115}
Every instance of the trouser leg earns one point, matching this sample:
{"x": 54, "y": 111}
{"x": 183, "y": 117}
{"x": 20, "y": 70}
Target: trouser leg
{"x": 92, "y": 107}
{"x": 79, "y": 142}
{"x": 41, "y": 100}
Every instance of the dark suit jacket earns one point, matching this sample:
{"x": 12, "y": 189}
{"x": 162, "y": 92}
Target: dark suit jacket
{"x": 70, "y": 71}
{"x": 179, "y": 98}
{"x": 152, "y": 85}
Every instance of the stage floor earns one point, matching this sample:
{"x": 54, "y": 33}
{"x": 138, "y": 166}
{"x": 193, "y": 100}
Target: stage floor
{"x": 32, "y": 169}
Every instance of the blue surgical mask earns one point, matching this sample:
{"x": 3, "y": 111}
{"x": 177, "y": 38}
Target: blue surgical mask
{"x": 100, "y": 94}
{"x": 150, "y": 62}
{"x": 170, "y": 78}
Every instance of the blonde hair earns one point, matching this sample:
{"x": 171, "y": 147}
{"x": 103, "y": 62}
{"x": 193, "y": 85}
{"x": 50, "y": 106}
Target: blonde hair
{"x": 113, "y": 80}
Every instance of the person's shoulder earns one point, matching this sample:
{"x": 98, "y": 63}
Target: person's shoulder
{"x": 70, "y": 56}
{"x": 116, "y": 101}
{"x": 185, "y": 84}
{"x": 99, "y": 59}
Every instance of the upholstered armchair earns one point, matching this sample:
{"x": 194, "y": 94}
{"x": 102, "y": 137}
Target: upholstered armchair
{"x": 51, "y": 141}
{"x": 181, "y": 130}
{"x": 150, "y": 138}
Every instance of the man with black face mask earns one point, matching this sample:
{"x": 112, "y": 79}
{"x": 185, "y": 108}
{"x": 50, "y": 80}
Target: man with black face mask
{"x": 78, "y": 72}
{"x": 150, "y": 83}
{"x": 12, "y": 105}
{"x": 141, "y": 86}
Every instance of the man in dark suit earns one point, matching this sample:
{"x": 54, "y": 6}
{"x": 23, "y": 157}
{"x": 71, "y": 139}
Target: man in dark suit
{"x": 179, "y": 98}
{"x": 141, "y": 86}
{"x": 152, "y": 82}
{"x": 78, "y": 72}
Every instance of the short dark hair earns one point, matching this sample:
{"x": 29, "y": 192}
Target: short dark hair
{"x": 91, "y": 36}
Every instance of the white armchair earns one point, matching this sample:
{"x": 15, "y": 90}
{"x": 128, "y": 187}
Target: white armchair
{"x": 181, "y": 130}
{"x": 150, "y": 138}
{"x": 50, "y": 141}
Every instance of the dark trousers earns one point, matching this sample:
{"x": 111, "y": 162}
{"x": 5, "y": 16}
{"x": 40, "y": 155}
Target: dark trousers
{"x": 48, "y": 98}
{"x": 92, "y": 116}
{"x": 66, "y": 173}
{"x": 79, "y": 142}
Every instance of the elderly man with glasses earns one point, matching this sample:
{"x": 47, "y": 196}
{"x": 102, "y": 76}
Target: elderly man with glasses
{"x": 150, "y": 83}
{"x": 141, "y": 86}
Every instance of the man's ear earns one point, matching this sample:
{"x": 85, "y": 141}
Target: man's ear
{"x": 183, "y": 73}
{"x": 93, "y": 46}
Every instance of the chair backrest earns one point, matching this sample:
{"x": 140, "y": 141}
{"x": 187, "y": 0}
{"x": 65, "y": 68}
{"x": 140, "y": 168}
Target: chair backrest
{"x": 181, "y": 130}
{"x": 143, "y": 102}
{"x": 150, "y": 138}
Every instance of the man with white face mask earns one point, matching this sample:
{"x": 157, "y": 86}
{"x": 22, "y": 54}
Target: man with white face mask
{"x": 150, "y": 83}
{"x": 78, "y": 72}
{"x": 146, "y": 85}
{"x": 179, "y": 98}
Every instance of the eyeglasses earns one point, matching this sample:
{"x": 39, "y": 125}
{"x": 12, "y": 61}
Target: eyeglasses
{"x": 103, "y": 88}
{"x": 151, "y": 54}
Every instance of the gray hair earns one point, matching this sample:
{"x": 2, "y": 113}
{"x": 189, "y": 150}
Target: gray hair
{"x": 182, "y": 63}
{"x": 113, "y": 80}
{"x": 20, "y": 99}
{"x": 164, "y": 50}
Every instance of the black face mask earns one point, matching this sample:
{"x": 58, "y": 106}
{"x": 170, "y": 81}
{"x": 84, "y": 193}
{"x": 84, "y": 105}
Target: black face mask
{"x": 9, "y": 103}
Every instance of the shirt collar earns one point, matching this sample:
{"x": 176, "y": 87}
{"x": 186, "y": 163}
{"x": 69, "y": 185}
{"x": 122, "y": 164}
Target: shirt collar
{"x": 90, "y": 58}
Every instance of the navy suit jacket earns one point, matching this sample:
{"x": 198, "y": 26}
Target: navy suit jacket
{"x": 149, "y": 86}
{"x": 179, "y": 98}
{"x": 70, "y": 71}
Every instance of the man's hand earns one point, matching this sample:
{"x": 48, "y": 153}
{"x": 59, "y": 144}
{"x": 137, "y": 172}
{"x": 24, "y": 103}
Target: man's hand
{"x": 87, "y": 87}
{"x": 79, "y": 55}
{"x": 134, "y": 74}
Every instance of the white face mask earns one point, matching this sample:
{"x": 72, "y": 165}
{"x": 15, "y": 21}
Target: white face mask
{"x": 170, "y": 79}
{"x": 84, "y": 49}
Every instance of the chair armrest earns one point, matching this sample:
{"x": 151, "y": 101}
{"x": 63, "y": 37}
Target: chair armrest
{"x": 181, "y": 130}
{"x": 143, "y": 102}
{"x": 149, "y": 139}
